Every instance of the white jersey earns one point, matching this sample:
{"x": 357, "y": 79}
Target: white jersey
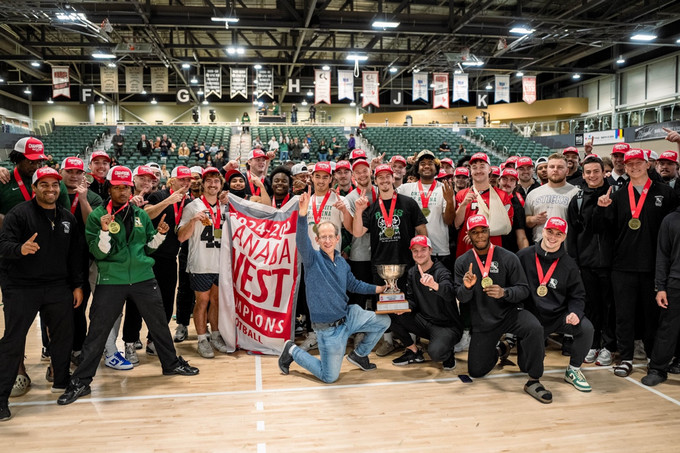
{"x": 361, "y": 246}
{"x": 437, "y": 230}
{"x": 554, "y": 201}
{"x": 328, "y": 214}
{"x": 204, "y": 247}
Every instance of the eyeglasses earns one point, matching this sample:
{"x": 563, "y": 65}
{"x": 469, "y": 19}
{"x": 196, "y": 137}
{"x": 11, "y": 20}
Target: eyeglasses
{"x": 326, "y": 238}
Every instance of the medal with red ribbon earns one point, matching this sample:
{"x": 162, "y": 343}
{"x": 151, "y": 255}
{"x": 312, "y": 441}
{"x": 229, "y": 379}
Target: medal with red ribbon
{"x": 636, "y": 209}
{"x": 74, "y": 205}
{"x": 425, "y": 199}
{"x": 114, "y": 227}
{"x": 253, "y": 190}
{"x": 389, "y": 230}
{"x": 22, "y": 186}
{"x": 178, "y": 210}
{"x": 317, "y": 213}
{"x": 484, "y": 269}
{"x": 543, "y": 280}
{"x": 284, "y": 201}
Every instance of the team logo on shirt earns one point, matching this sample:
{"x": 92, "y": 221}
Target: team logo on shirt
{"x": 67, "y": 226}
{"x": 552, "y": 283}
{"x": 658, "y": 200}
{"x": 494, "y": 267}
{"x": 138, "y": 222}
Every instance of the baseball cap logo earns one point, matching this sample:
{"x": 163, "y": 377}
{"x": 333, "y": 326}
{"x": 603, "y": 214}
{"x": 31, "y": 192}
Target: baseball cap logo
{"x": 558, "y": 222}
{"x": 35, "y": 147}
{"x": 121, "y": 173}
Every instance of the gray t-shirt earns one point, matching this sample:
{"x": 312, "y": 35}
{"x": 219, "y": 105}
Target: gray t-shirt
{"x": 554, "y": 201}
{"x": 361, "y": 247}
{"x": 437, "y": 230}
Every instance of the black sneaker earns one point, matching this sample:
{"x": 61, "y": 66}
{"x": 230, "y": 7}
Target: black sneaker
{"x": 75, "y": 390}
{"x": 361, "y": 362}
{"x": 675, "y": 367}
{"x": 5, "y": 414}
{"x": 503, "y": 349}
{"x": 409, "y": 357}
{"x": 76, "y": 359}
{"x": 286, "y": 358}
{"x": 567, "y": 343}
{"x": 183, "y": 369}
{"x": 654, "y": 377}
{"x": 450, "y": 363}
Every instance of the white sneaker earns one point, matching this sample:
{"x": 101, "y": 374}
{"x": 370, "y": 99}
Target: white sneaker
{"x": 118, "y": 362}
{"x": 310, "y": 342}
{"x": 591, "y": 356}
{"x": 639, "y": 353}
{"x": 464, "y": 343}
{"x": 205, "y": 350}
{"x": 181, "y": 333}
{"x": 131, "y": 354}
{"x": 219, "y": 344}
{"x": 604, "y": 357}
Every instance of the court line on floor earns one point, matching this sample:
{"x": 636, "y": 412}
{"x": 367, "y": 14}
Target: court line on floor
{"x": 297, "y": 389}
{"x": 655, "y": 391}
{"x": 258, "y": 374}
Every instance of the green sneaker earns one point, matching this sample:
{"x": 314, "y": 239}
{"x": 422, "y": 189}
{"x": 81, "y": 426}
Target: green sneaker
{"x": 577, "y": 379}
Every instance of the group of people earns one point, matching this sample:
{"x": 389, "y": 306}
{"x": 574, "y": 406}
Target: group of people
{"x": 302, "y": 149}
{"x": 493, "y": 260}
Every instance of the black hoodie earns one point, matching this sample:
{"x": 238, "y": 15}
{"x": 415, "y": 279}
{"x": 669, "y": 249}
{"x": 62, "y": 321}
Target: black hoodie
{"x": 566, "y": 293}
{"x": 439, "y": 307}
{"x": 589, "y": 248}
{"x": 668, "y": 253}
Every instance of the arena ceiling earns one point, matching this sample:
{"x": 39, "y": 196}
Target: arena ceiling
{"x": 295, "y": 36}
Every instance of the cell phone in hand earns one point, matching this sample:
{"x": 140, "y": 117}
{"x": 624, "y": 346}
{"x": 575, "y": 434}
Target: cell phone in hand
{"x": 464, "y": 378}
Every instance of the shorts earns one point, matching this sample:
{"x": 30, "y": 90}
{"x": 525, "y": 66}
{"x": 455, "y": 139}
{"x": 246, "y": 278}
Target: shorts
{"x": 203, "y": 282}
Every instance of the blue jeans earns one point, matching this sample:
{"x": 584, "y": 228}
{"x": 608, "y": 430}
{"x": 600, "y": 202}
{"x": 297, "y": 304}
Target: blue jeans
{"x": 323, "y": 157}
{"x": 284, "y": 156}
{"x": 333, "y": 343}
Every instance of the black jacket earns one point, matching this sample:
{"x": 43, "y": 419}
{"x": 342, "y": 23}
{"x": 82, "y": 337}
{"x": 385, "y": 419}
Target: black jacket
{"x": 59, "y": 259}
{"x": 566, "y": 293}
{"x": 438, "y": 307}
{"x": 589, "y": 249}
{"x": 668, "y": 253}
{"x": 576, "y": 179}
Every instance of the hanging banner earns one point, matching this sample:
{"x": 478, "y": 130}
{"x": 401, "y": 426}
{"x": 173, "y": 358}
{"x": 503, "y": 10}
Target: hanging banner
{"x": 265, "y": 82}
{"x": 460, "y": 87}
{"x": 502, "y": 88}
{"x": 345, "y": 85}
{"x": 61, "y": 82}
{"x": 159, "y": 79}
{"x": 529, "y": 89}
{"x": 421, "y": 90}
{"x": 134, "y": 79}
{"x": 238, "y": 83}
{"x": 212, "y": 81}
{"x": 109, "y": 79}
{"x": 259, "y": 286}
{"x": 322, "y": 86}
{"x": 370, "y": 88}
{"x": 440, "y": 96}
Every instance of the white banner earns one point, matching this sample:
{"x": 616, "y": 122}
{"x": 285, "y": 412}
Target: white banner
{"x": 61, "y": 82}
{"x": 345, "y": 85}
{"x": 502, "y": 88}
{"x": 322, "y": 86}
{"x": 440, "y": 95}
{"x": 109, "y": 79}
{"x": 258, "y": 287}
{"x": 529, "y": 89}
{"x": 134, "y": 79}
{"x": 370, "y": 88}
{"x": 604, "y": 137}
{"x": 265, "y": 82}
{"x": 421, "y": 89}
{"x": 159, "y": 79}
{"x": 212, "y": 82}
{"x": 460, "y": 87}
{"x": 238, "y": 83}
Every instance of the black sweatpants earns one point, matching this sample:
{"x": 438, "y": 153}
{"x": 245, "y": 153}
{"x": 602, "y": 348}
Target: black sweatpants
{"x": 186, "y": 297}
{"x": 582, "y": 333}
{"x": 483, "y": 356}
{"x": 442, "y": 338}
{"x": 107, "y": 304}
{"x": 600, "y": 306}
{"x": 21, "y": 305}
{"x": 633, "y": 290}
{"x": 667, "y": 335}
{"x": 362, "y": 271}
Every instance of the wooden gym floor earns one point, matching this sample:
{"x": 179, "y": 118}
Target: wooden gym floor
{"x": 242, "y": 403}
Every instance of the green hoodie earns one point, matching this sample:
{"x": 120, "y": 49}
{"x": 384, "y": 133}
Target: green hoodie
{"x": 128, "y": 261}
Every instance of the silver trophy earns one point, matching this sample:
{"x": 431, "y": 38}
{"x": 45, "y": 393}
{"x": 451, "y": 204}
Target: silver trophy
{"x": 393, "y": 299}
{"x": 391, "y": 273}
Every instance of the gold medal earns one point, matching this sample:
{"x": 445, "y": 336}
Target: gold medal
{"x": 217, "y": 233}
{"x": 114, "y": 227}
{"x": 542, "y": 291}
{"x": 426, "y": 211}
{"x": 389, "y": 232}
{"x": 486, "y": 282}
{"x": 315, "y": 229}
{"x": 634, "y": 224}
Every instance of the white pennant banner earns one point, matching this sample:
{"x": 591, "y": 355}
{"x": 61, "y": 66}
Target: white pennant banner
{"x": 61, "y": 83}
{"x": 134, "y": 79}
{"x": 420, "y": 88}
{"x": 460, "y": 87}
{"x": 529, "y": 89}
{"x": 159, "y": 79}
{"x": 322, "y": 86}
{"x": 370, "y": 88}
{"x": 265, "y": 82}
{"x": 345, "y": 85}
{"x": 502, "y": 88}
{"x": 212, "y": 82}
{"x": 440, "y": 97}
{"x": 238, "y": 83}
{"x": 109, "y": 79}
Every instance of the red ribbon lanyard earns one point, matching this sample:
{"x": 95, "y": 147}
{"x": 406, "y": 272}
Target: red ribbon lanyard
{"x": 252, "y": 187}
{"x": 98, "y": 179}
{"x": 74, "y": 204}
{"x": 489, "y": 257}
{"x": 285, "y": 200}
{"x": 109, "y": 208}
{"x": 542, "y": 280}
{"x": 425, "y": 200}
{"x": 373, "y": 194}
{"x": 215, "y": 217}
{"x": 21, "y": 185}
{"x": 388, "y": 221}
{"x": 317, "y": 214}
{"x": 520, "y": 198}
{"x": 635, "y": 210}
{"x": 178, "y": 211}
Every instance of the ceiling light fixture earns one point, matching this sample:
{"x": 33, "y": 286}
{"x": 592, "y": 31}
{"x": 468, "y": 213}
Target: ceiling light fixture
{"x": 229, "y": 20}
{"x": 186, "y": 65}
{"x": 143, "y": 91}
{"x": 643, "y": 37}
{"x": 310, "y": 93}
{"x": 521, "y": 30}
{"x": 489, "y": 87}
{"x": 258, "y": 66}
{"x": 194, "y": 80}
{"x": 519, "y": 74}
{"x": 352, "y": 104}
{"x": 199, "y": 92}
{"x": 304, "y": 102}
{"x": 27, "y": 90}
{"x": 235, "y": 50}
{"x": 154, "y": 101}
{"x": 205, "y": 102}
{"x": 326, "y": 67}
{"x": 35, "y": 64}
{"x": 621, "y": 60}
{"x": 576, "y": 76}
{"x": 385, "y": 24}
{"x": 393, "y": 69}
{"x": 50, "y": 101}
{"x": 356, "y": 57}
{"x": 458, "y": 71}
{"x": 70, "y": 16}
{"x": 100, "y": 101}
{"x": 416, "y": 70}
{"x": 2, "y": 80}
{"x": 103, "y": 55}
{"x": 111, "y": 65}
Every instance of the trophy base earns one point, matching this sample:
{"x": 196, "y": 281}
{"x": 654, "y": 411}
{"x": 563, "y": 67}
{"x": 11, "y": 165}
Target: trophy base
{"x": 392, "y": 303}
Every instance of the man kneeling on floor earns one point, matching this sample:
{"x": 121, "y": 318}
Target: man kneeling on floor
{"x": 492, "y": 281}
{"x": 434, "y": 314}
{"x": 328, "y": 278}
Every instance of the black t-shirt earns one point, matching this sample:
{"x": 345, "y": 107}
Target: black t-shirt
{"x": 395, "y": 249}
{"x": 170, "y": 246}
{"x": 518, "y": 223}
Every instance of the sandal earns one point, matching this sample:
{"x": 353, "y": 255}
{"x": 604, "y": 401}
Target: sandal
{"x": 21, "y": 385}
{"x": 623, "y": 369}
{"x": 539, "y": 392}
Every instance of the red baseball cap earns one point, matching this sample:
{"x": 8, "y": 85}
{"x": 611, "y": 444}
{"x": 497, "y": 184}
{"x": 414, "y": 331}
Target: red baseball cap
{"x": 357, "y": 154}
{"x": 120, "y": 176}
{"x": 512, "y": 160}
{"x": 181, "y": 172}
{"x": 361, "y": 162}
{"x": 570, "y": 149}
{"x": 421, "y": 240}
{"x": 343, "y": 164}
{"x": 209, "y": 170}
{"x": 495, "y": 171}
{"x": 621, "y": 148}
{"x": 100, "y": 153}
{"x": 591, "y": 156}
{"x": 446, "y": 161}
{"x": 45, "y": 172}
{"x": 669, "y": 155}
{"x": 73, "y": 163}
{"x": 480, "y": 156}
{"x": 461, "y": 171}
{"x": 477, "y": 221}
{"x": 323, "y": 166}
{"x": 524, "y": 161}
{"x": 31, "y": 148}
{"x": 443, "y": 175}
{"x": 510, "y": 172}
{"x": 399, "y": 159}
{"x": 382, "y": 168}
{"x": 144, "y": 170}
{"x": 635, "y": 153}
{"x": 556, "y": 223}
{"x": 257, "y": 153}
